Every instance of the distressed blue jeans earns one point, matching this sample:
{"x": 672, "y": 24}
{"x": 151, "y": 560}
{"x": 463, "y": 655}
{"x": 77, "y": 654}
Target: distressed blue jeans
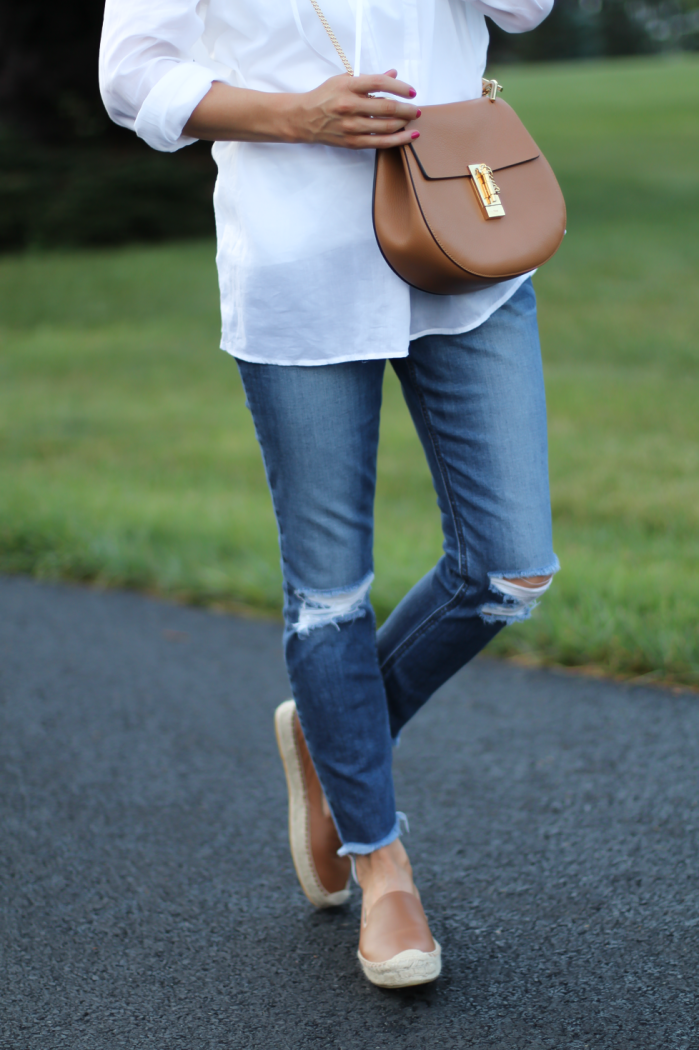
{"x": 477, "y": 403}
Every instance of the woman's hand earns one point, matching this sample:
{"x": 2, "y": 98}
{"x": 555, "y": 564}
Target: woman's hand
{"x": 341, "y": 112}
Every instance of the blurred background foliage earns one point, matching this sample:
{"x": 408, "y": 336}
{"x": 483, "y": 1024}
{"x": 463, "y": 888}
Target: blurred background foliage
{"x": 61, "y": 158}
{"x": 127, "y": 456}
{"x": 68, "y": 175}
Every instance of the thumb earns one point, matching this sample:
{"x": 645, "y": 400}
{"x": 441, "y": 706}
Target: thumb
{"x": 391, "y": 73}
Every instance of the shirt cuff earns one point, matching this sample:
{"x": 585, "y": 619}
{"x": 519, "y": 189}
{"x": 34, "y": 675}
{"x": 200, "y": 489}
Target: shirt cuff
{"x": 169, "y": 105}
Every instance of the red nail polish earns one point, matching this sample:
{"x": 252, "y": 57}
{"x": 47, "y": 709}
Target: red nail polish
{"x": 418, "y": 114}
{"x": 413, "y": 92}
{"x": 415, "y": 135}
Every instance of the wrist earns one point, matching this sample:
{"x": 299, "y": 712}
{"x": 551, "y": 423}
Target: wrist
{"x": 287, "y": 118}
{"x": 235, "y": 114}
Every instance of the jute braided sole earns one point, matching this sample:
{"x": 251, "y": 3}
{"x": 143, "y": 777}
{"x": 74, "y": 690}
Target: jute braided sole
{"x": 405, "y": 969}
{"x": 299, "y": 826}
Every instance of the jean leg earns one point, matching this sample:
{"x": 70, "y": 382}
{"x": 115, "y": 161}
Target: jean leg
{"x": 318, "y": 430}
{"x": 478, "y": 404}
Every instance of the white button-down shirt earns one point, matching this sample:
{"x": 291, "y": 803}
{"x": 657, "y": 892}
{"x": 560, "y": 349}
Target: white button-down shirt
{"x": 302, "y": 279}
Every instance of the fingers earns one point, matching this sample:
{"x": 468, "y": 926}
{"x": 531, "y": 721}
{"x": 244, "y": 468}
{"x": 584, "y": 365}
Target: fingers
{"x": 388, "y": 108}
{"x": 401, "y": 138}
{"x": 343, "y": 112}
{"x": 373, "y": 122}
{"x": 372, "y": 126}
{"x": 367, "y": 84}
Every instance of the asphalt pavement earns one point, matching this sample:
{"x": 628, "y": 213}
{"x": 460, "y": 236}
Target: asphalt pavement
{"x": 148, "y": 896}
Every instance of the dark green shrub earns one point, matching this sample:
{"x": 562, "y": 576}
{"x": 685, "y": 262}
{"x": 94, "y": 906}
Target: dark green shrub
{"x": 602, "y": 28}
{"x": 86, "y": 196}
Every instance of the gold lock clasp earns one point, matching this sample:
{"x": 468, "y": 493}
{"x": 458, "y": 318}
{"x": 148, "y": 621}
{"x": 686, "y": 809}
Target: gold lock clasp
{"x": 486, "y": 190}
{"x": 491, "y": 88}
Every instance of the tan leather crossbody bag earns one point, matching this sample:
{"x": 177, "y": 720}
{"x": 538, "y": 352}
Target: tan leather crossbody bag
{"x": 471, "y": 202}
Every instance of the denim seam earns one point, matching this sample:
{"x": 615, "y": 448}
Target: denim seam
{"x": 438, "y": 614}
{"x": 460, "y": 543}
{"x": 277, "y": 516}
{"x": 332, "y": 812}
{"x": 421, "y": 629}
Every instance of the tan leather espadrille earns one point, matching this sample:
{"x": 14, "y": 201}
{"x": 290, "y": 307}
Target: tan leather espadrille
{"x": 313, "y": 837}
{"x": 396, "y": 948}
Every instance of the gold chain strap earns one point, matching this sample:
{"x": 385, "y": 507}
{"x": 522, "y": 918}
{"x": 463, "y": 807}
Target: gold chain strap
{"x": 335, "y": 42}
{"x": 490, "y": 87}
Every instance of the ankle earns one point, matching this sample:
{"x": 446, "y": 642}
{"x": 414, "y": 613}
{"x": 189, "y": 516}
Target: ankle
{"x": 384, "y": 871}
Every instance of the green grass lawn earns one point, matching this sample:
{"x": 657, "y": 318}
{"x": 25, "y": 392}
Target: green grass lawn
{"x": 128, "y": 457}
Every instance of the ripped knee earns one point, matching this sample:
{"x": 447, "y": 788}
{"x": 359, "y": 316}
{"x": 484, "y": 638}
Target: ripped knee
{"x": 537, "y": 583}
{"x": 331, "y": 607}
{"x": 518, "y": 595}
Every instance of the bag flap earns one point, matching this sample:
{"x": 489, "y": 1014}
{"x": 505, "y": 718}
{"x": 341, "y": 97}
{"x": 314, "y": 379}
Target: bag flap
{"x": 476, "y": 132}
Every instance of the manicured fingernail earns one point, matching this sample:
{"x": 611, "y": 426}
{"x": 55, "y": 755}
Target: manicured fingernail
{"x": 413, "y": 92}
{"x": 415, "y": 135}
{"x": 418, "y": 114}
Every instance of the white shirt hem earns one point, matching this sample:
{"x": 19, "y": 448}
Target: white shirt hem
{"x": 306, "y": 362}
{"x": 309, "y": 362}
{"x": 510, "y": 291}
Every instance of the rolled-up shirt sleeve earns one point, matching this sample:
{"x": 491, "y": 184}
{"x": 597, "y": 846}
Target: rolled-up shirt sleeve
{"x": 514, "y": 16}
{"x": 148, "y": 79}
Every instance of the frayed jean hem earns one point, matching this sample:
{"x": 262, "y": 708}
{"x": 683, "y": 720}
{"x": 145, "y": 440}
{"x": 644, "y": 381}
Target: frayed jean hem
{"x": 359, "y": 849}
